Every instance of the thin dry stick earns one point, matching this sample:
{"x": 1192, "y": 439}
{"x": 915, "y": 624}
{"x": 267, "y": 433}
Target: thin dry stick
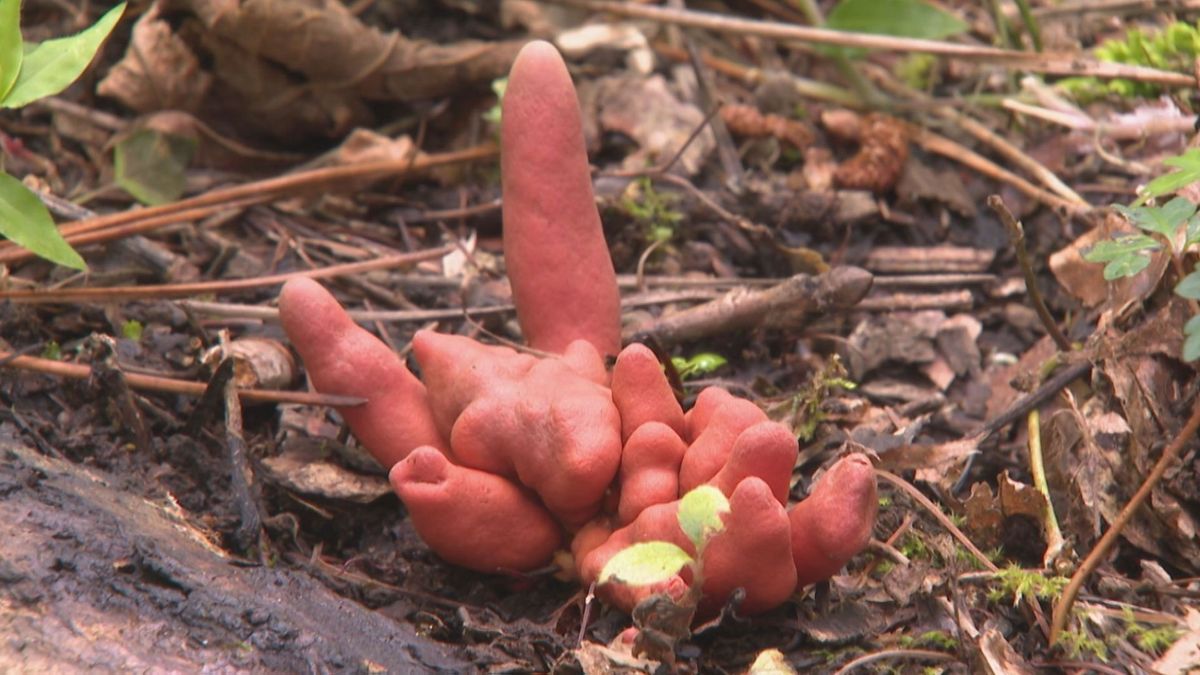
{"x": 103, "y": 294}
{"x": 915, "y": 494}
{"x": 1062, "y": 608}
{"x": 1012, "y": 153}
{"x": 251, "y": 193}
{"x": 79, "y": 371}
{"x": 1058, "y": 64}
{"x": 920, "y": 654}
{"x": 941, "y": 145}
{"x": 1016, "y": 234}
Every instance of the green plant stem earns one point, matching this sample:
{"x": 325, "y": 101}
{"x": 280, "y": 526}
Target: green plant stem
{"x": 1031, "y": 24}
{"x": 853, "y": 76}
{"x": 1017, "y": 234}
{"x": 1037, "y": 469}
{"x": 1006, "y": 38}
{"x": 1062, "y": 609}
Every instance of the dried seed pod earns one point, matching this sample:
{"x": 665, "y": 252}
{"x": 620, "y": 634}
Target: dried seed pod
{"x": 745, "y": 120}
{"x": 882, "y": 152}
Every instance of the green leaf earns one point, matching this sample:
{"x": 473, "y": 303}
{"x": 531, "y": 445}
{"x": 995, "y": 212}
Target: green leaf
{"x": 151, "y": 165}
{"x": 11, "y": 49}
{"x": 53, "y": 65}
{"x": 1189, "y": 286}
{"x": 1126, "y": 255}
{"x": 700, "y": 514}
{"x": 1125, "y": 267}
{"x": 902, "y": 18}
{"x": 1192, "y": 325}
{"x": 25, "y": 221}
{"x": 132, "y": 330}
{"x": 1165, "y": 220}
{"x": 645, "y": 563}
{"x": 1189, "y": 172}
{"x": 1121, "y": 246}
{"x": 1191, "y": 347}
{"x": 1192, "y": 233}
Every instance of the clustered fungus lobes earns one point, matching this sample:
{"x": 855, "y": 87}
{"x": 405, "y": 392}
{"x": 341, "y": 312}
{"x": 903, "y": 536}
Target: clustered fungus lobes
{"x": 503, "y": 458}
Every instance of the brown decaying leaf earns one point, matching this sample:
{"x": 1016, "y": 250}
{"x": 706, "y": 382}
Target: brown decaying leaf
{"x": 159, "y": 71}
{"x": 325, "y": 42}
{"x": 648, "y": 111}
{"x": 988, "y": 514}
{"x": 289, "y": 68}
{"x": 311, "y": 475}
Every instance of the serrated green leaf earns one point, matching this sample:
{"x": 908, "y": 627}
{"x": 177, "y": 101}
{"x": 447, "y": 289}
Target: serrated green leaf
{"x": 645, "y": 563}
{"x": 1192, "y": 233}
{"x": 1192, "y": 325}
{"x": 700, "y": 513}
{"x": 25, "y": 221}
{"x": 1189, "y": 286}
{"x": 1188, "y": 165}
{"x": 1165, "y": 220}
{"x": 1125, "y": 255}
{"x": 1191, "y": 347}
{"x": 11, "y": 49}
{"x": 152, "y": 166}
{"x": 1125, "y": 267}
{"x": 53, "y": 65}
{"x": 902, "y": 18}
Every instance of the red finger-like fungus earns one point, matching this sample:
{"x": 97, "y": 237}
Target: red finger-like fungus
{"x": 499, "y": 455}
{"x": 834, "y": 523}
{"x": 649, "y": 469}
{"x": 457, "y": 511}
{"x": 642, "y": 393}
{"x": 714, "y": 434}
{"x": 537, "y": 421}
{"x": 562, "y": 275}
{"x": 753, "y": 553}
{"x": 342, "y": 358}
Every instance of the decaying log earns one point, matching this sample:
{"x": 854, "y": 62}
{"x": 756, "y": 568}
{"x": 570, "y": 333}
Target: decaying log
{"x": 95, "y": 578}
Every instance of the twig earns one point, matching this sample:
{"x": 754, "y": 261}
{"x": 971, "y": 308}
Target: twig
{"x": 112, "y": 293}
{"x": 79, "y": 371}
{"x": 921, "y": 654}
{"x": 916, "y": 495}
{"x": 238, "y": 311}
{"x": 941, "y": 145}
{"x": 1016, "y": 235}
{"x": 742, "y": 309}
{"x": 1062, "y": 608}
{"x": 127, "y": 222}
{"x": 249, "y": 536}
{"x": 1057, "y": 64}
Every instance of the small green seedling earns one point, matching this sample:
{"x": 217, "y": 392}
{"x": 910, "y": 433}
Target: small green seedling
{"x": 654, "y": 211}
{"x": 499, "y": 86}
{"x": 806, "y": 411}
{"x": 700, "y": 364}
{"x": 1174, "y": 226}
{"x": 652, "y": 562}
{"x": 30, "y": 71}
{"x": 132, "y": 330}
{"x": 661, "y": 620}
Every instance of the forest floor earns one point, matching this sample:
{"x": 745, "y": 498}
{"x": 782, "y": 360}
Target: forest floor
{"x": 1008, "y": 440}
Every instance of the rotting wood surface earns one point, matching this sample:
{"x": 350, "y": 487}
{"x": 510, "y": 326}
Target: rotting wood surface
{"x": 95, "y": 578}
